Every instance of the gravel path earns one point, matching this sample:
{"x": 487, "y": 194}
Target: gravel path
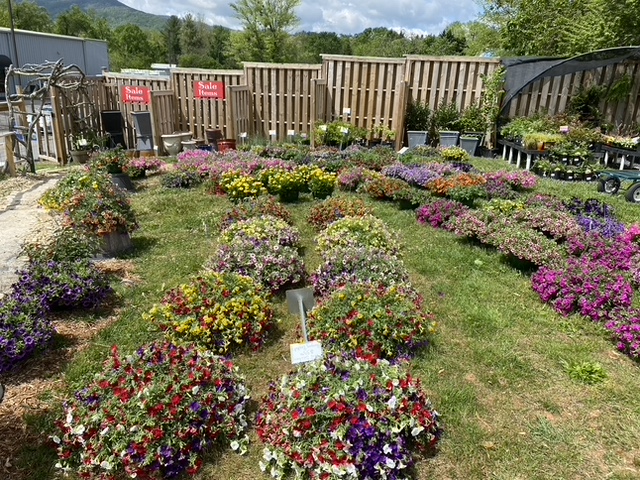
{"x": 21, "y": 219}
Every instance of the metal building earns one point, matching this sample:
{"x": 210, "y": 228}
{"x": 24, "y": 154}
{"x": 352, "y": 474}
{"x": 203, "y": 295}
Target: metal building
{"x": 92, "y": 56}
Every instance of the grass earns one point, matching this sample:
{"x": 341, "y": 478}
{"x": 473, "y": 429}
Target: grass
{"x": 497, "y": 371}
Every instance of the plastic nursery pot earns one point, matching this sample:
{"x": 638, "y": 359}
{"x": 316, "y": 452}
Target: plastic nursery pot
{"x": 448, "y": 138}
{"x": 470, "y": 145}
{"x": 416, "y": 138}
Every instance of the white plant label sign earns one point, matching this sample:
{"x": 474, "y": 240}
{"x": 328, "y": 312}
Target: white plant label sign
{"x": 291, "y": 133}
{"x": 272, "y": 133}
{"x": 305, "y": 352}
{"x": 323, "y": 128}
{"x": 243, "y": 134}
{"x": 344, "y": 130}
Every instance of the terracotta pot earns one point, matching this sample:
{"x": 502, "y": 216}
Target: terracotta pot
{"x": 226, "y": 145}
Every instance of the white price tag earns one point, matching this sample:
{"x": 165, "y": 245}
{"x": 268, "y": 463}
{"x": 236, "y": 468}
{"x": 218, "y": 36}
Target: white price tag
{"x": 346, "y": 111}
{"x": 305, "y": 352}
{"x": 243, "y": 134}
{"x": 344, "y": 130}
{"x": 291, "y": 133}
{"x": 272, "y": 133}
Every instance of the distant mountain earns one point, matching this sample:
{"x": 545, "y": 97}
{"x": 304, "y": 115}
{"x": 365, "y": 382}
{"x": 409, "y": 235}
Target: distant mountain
{"x": 113, "y": 11}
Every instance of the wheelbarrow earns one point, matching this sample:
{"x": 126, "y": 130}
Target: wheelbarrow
{"x": 609, "y": 181}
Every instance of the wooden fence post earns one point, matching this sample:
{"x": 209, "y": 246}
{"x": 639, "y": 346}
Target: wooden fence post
{"x": 9, "y": 145}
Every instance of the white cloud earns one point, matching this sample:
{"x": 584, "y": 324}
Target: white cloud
{"x": 340, "y": 16}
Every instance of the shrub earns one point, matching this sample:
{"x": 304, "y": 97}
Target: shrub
{"x": 350, "y": 178}
{"x": 24, "y": 329}
{"x": 152, "y": 414}
{"x": 439, "y": 212}
{"x": 386, "y": 322}
{"x": 467, "y": 195}
{"x": 415, "y": 175}
{"x": 335, "y": 208}
{"x": 137, "y": 167}
{"x": 91, "y": 201}
{"x": 519, "y": 181}
{"x": 442, "y": 186}
{"x": 239, "y": 185}
{"x": 382, "y": 188}
{"x": 346, "y": 418}
{"x": 196, "y": 161}
{"x": 256, "y": 207}
{"x": 321, "y": 183}
{"x": 350, "y": 265}
{"x": 218, "y": 311}
{"x": 261, "y": 228}
{"x": 357, "y": 231}
{"x": 455, "y": 154}
{"x": 625, "y": 329}
{"x": 268, "y": 263}
{"x": 584, "y": 287}
{"x": 63, "y": 285}
{"x": 112, "y": 160}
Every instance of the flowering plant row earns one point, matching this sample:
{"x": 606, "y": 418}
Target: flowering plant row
{"x": 152, "y": 414}
{"x": 216, "y": 311}
{"x": 386, "y": 322}
{"x": 348, "y": 418}
{"x": 358, "y": 231}
{"x": 335, "y": 208}
{"x": 91, "y": 201}
{"x": 255, "y": 207}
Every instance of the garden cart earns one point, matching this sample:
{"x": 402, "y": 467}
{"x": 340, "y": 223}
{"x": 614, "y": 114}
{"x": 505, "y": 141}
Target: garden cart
{"x": 609, "y": 181}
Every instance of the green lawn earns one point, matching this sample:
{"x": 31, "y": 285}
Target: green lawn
{"x": 496, "y": 372}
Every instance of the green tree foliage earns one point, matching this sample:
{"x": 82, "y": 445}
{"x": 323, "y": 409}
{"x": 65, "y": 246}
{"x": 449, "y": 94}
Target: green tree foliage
{"x": 171, "y": 36}
{"x": 27, "y": 15}
{"x": 266, "y": 26}
{"x": 131, "y": 48}
{"x": 563, "y": 27}
{"x": 310, "y": 45}
{"x": 77, "y": 23}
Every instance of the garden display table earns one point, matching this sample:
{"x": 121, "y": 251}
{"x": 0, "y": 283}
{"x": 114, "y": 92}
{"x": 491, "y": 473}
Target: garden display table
{"x": 623, "y": 153}
{"x": 511, "y": 148}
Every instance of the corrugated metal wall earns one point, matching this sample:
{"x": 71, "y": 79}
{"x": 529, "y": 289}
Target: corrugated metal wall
{"x": 35, "y": 47}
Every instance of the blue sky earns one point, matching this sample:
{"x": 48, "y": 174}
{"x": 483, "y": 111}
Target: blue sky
{"x": 340, "y": 16}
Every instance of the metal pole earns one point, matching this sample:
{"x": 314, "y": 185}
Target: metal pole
{"x": 303, "y": 317}
{"x": 13, "y": 35}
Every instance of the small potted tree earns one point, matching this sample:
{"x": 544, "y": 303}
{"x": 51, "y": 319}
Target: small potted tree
{"x": 446, "y": 119}
{"x": 417, "y": 121}
{"x": 474, "y": 126}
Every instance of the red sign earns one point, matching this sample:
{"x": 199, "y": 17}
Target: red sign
{"x": 203, "y": 89}
{"x": 136, "y": 95}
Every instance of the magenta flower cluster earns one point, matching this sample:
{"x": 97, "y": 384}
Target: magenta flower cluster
{"x": 439, "y": 212}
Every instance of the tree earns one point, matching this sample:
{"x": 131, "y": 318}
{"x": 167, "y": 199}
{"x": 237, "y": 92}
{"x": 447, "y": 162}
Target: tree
{"x": 78, "y": 23}
{"x": 130, "y": 48}
{"x": 171, "y": 35}
{"x": 266, "y": 28}
{"x": 310, "y": 46}
{"x": 27, "y": 15}
{"x": 563, "y": 27}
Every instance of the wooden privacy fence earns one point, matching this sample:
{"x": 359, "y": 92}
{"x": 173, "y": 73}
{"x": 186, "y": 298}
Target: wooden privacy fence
{"x": 365, "y": 91}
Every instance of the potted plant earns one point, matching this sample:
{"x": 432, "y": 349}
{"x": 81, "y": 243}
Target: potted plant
{"x": 82, "y": 144}
{"x": 417, "y": 121}
{"x": 558, "y": 172}
{"x": 446, "y": 120}
{"x": 544, "y": 167}
{"x": 474, "y": 126}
